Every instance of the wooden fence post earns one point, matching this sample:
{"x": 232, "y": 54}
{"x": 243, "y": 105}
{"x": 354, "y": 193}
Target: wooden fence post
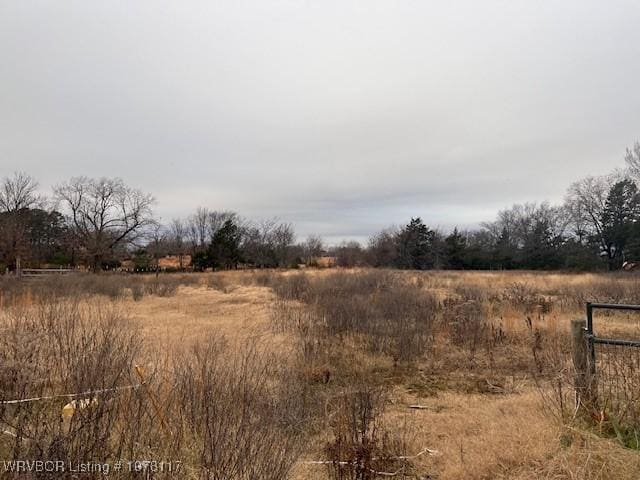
{"x": 584, "y": 365}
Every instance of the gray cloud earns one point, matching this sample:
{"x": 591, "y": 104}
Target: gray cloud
{"x": 339, "y": 116}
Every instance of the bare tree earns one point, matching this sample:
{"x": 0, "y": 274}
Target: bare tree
{"x": 282, "y": 238}
{"x": 178, "y": 233}
{"x": 632, "y": 159}
{"x": 349, "y": 254}
{"x": 198, "y": 227}
{"x": 256, "y": 243}
{"x": 18, "y": 194}
{"x": 267, "y": 243}
{"x": 383, "y": 247}
{"x": 201, "y": 227}
{"x": 157, "y": 244}
{"x": 312, "y": 248}
{"x": 520, "y": 220}
{"x": 216, "y": 220}
{"x": 586, "y": 201}
{"x": 104, "y": 214}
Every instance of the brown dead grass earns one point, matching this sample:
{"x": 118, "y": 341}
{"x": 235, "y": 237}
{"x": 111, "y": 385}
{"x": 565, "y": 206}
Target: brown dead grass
{"x": 195, "y": 312}
{"x": 485, "y": 419}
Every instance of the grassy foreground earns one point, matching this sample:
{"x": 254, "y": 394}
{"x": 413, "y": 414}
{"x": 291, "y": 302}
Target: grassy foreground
{"x": 316, "y": 374}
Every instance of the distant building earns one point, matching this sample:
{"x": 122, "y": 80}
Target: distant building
{"x": 326, "y": 261}
{"x": 173, "y": 262}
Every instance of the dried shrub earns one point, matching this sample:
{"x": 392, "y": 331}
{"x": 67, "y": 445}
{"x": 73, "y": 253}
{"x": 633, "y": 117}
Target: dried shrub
{"x": 223, "y": 414}
{"x": 291, "y": 287}
{"x": 217, "y": 282}
{"x": 472, "y": 293}
{"x": 466, "y": 322}
{"x": 114, "y": 286}
{"x": 393, "y": 316}
{"x": 362, "y": 448}
{"x": 611, "y": 288}
{"x": 243, "y": 425}
{"x": 165, "y": 286}
{"x": 261, "y": 278}
{"x": 137, "y": 292}
{"x": 64, "y": 348}
{"x": 525, "y": 297}
{"x": 553, "y": 372}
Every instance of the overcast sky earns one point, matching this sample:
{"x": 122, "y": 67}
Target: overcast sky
{"x": 339, "y": 116}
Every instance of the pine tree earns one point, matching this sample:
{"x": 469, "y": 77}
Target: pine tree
{"x": 620, "y": 214}
{"x": 455, "y": 246}
{"x": 415, "y": 246}
{"x": 505, "y": 251}
{"x": 540, "y": 247}
{"x": 224, "y": 251}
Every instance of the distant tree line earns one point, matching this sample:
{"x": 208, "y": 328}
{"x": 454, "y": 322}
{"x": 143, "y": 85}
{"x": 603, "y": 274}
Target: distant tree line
{"x": 98, "y": 223}
{"x": 86, "y": 221}
{"x": 597, "y": 227}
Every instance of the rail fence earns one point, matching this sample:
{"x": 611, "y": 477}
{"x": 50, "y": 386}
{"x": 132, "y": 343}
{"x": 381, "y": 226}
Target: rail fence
{"x": 607, "y": 370}
{"x": 44, "y": 272}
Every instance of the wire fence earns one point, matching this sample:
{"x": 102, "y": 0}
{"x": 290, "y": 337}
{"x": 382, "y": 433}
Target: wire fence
{"x": 617, "y": 382}
{"x": 614, "y": 364}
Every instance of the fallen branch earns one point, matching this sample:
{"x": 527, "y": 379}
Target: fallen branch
{"x": 401, "y": 457}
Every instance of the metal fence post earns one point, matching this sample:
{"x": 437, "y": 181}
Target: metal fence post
{"x": 589, "y": 336}
{"x": 583, "y": 363}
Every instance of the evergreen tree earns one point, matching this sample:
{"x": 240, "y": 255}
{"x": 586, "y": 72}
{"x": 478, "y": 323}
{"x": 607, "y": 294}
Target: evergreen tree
{"x": 479, "y": 250}
{"x": 505, "y": 251}
{"x": 455, "y": 246}
{"x": 415, "y": 246}
{"x": 224, "y": 251}
{"x": 540, "y": 248}
{"x": 200, "y": 260}
{"x": 619, "y": 217}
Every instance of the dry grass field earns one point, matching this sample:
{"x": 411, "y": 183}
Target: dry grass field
{"x": 353, "y": 374}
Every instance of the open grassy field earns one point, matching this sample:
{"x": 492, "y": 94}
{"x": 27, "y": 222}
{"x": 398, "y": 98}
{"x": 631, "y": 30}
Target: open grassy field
{"x": 350, "y": 374}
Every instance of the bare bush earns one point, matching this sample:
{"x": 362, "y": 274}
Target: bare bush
{"x": 393, "y": 316}
{"x": 64, "y": 348}
{"x": 113, "y": 286}
{"x": 225, "y": 415}
{"x": 525, "y": 297}
{"x": 291, "y": 287}
{"x": 137, "y": 292}
{"x": 162, "y": 287}
{"x": 217, "y": 282}
{"x": 614, "y": 288}
{"x": 466, "y": 322}
{"x": 243, "y": 424}
{"x": 362, "y": 447}
{"x": 554, "y": 373}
